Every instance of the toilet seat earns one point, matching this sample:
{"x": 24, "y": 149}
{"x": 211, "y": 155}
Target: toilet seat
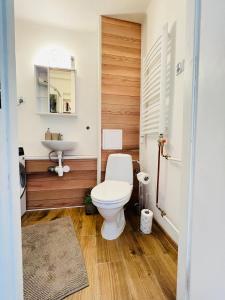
{"x": 111, "y": 191}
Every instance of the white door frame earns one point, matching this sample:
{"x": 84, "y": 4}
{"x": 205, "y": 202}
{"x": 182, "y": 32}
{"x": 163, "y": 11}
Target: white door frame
{"x": 193, "y": 19}
{"x": 11, "y": 283}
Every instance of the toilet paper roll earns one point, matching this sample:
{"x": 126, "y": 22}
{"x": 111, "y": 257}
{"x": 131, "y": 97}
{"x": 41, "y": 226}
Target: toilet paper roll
{"x": 143, "y": 177}
{"x": 146, "y": 221}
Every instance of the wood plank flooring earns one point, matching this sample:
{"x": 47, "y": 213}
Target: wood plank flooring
{"x": 135, "y": 266}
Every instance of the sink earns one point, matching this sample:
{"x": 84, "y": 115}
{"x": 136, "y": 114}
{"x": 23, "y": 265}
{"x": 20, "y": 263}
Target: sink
{"x": 55, "y": 145}
{"x": 59, "y": 147}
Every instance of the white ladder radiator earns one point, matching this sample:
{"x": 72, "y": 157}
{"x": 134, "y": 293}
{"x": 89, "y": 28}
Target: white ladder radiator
{"x": 154, "y": 88}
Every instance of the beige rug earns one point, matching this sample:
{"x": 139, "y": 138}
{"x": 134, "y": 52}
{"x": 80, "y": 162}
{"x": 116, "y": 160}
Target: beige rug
{"x": 52, "y": 260}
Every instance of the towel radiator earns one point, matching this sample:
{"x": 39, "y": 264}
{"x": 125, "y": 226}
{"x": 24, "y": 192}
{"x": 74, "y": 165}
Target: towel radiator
{"x": 154, "y": 88}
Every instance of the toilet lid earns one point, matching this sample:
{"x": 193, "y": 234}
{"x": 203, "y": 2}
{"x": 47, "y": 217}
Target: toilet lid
{"x": 111, "y": 190}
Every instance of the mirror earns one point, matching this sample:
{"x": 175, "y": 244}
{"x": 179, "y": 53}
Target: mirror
{"x": 55, "y": 89}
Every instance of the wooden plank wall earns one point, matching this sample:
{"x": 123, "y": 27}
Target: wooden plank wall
{"x": 46, "y": 190}
{"x": 121, "y": 66}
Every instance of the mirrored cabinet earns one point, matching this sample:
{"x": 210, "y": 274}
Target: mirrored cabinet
{"x": 55, "y": 91}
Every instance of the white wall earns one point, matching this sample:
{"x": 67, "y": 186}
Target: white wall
{"x": 208, "y": 222}
{"x": 31, "y": 39}
{"x": 158, "y": 14}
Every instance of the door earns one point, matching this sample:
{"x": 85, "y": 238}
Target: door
{"x": 207, "y": 259}
{"x": 11, "y": 287}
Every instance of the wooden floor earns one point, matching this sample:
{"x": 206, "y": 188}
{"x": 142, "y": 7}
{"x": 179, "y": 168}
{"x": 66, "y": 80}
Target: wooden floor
{"x": 135, "y": 266}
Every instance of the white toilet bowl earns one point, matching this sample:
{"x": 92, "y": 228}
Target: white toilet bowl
{"x": 111, "y": 195}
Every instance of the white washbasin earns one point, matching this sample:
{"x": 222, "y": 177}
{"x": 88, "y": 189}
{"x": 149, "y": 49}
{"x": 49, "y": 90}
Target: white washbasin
{"x": 55, "y": 145}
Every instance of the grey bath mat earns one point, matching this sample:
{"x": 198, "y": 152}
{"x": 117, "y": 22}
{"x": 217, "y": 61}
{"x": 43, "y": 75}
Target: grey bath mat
{"x": 53, "y": 264}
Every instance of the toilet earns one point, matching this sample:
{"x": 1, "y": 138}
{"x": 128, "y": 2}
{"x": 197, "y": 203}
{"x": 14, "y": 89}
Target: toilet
{"x": 111, "y": 195}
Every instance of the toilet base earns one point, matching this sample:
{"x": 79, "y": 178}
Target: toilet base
{"x": 112, "y": 229}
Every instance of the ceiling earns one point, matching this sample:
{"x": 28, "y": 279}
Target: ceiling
{"x": 78, "y": 14}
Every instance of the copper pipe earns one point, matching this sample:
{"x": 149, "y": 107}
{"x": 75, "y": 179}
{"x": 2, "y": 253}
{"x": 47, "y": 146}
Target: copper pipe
{"x": 162, "y": 142}
{"x": 163, "y": 213}
{"x": 158, "y": 174}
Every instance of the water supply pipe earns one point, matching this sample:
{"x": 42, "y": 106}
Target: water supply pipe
{"x": 60, "y": 169}
{"x": 161, "y": 153}
{"x": 162, "y": 142}
{"x": 163, "y": 213}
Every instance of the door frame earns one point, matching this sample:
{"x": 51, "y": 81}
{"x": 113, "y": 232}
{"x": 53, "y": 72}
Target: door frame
{"x": 11, "y": 284}
{"x": 11, "y": 279}
{"x": 193, "y": 21}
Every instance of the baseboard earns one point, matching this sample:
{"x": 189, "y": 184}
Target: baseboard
{"x": 167, "y": 236}
{"x": 166, "y": 224}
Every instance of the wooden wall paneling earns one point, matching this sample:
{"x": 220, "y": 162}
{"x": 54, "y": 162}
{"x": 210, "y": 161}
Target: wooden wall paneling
{"x": 120, "y": 99}
{"x": 121, "y": 64}
{"x": 47, "y": 190}
{"x": 37, "y": 166}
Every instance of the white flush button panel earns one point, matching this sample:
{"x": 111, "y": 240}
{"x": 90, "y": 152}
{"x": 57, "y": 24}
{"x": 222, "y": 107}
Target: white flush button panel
{"x": 112, "y": 139}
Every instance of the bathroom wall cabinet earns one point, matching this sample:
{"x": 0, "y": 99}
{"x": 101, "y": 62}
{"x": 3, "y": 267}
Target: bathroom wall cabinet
{"x": 55, "y": 91}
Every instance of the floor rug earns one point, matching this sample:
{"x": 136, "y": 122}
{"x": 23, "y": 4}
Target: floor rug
{"x": 53, "y": 263}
